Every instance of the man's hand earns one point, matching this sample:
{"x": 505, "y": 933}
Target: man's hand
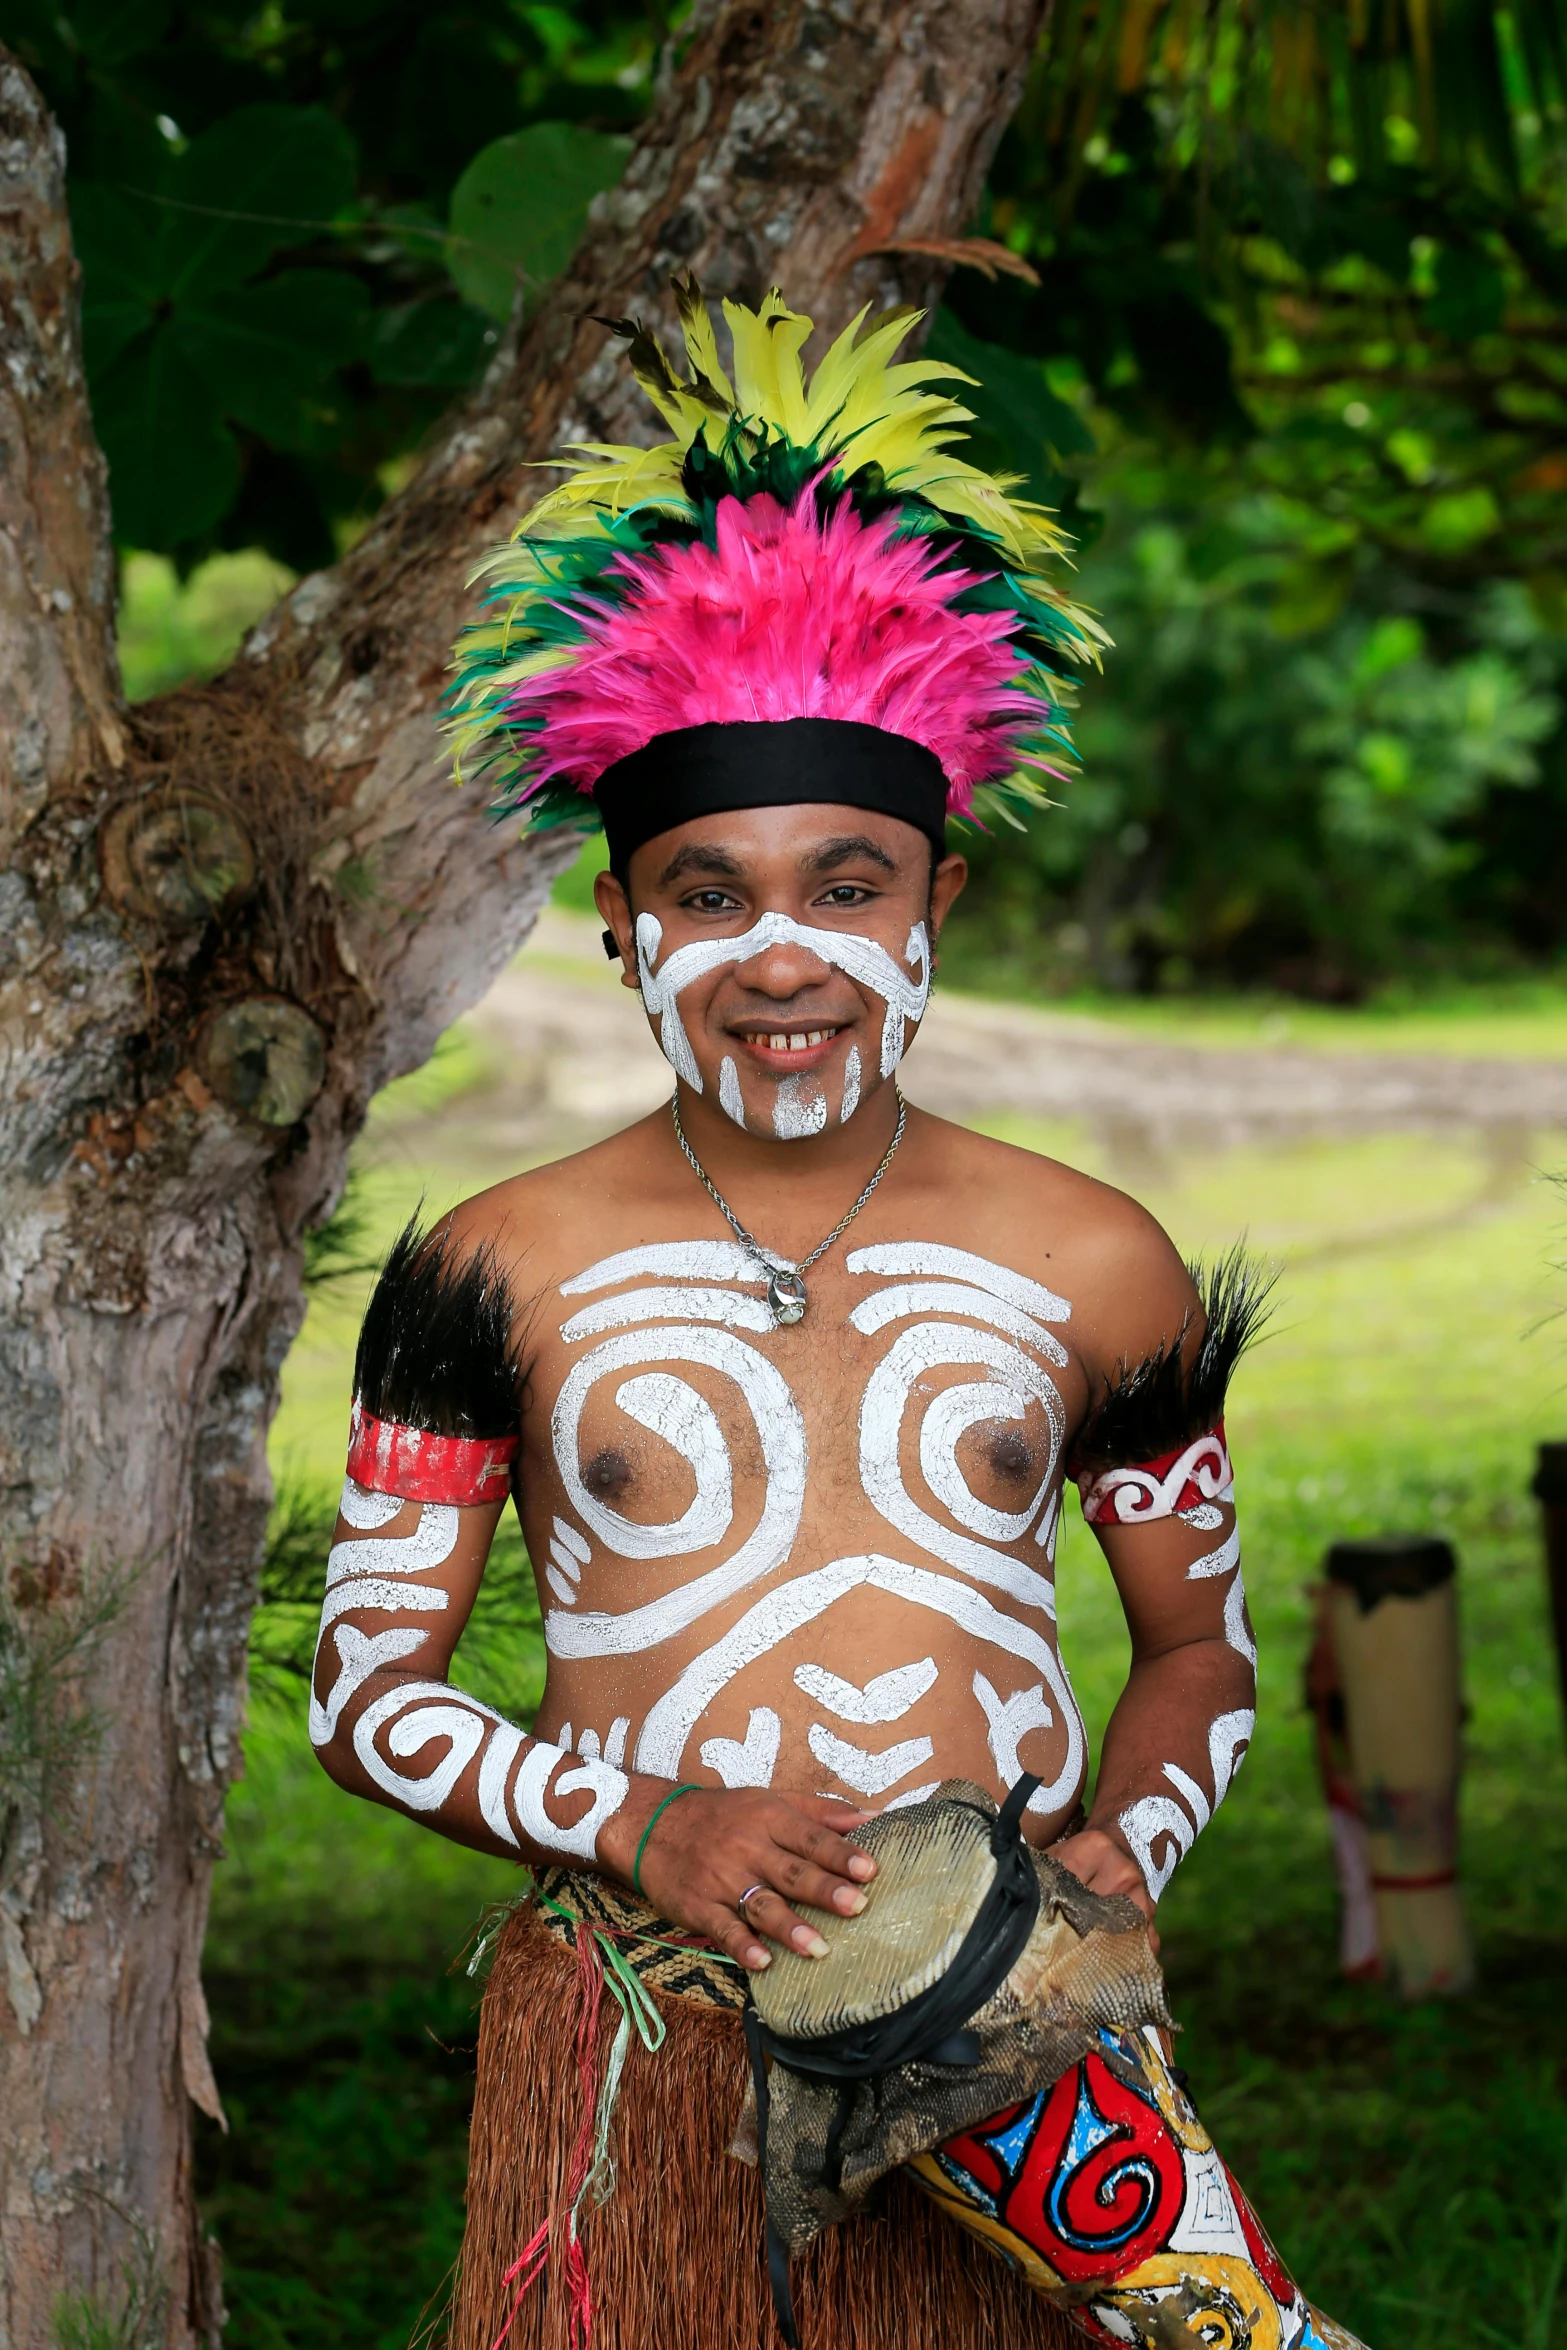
{"x": 1105, "y": 1866}
{"x": 714, "y": 1844}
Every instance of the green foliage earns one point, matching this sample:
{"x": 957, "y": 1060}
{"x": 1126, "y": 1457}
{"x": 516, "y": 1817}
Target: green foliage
{"x": 1308, "y": 273}
{"x": 276, "y": 302}
{"x": 1313, "y": 810}
{"x": 171, "y": 630}
{"x": 519, "y": 209}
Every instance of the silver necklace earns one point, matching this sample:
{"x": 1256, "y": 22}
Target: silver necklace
{"x": 786, "y": 1283}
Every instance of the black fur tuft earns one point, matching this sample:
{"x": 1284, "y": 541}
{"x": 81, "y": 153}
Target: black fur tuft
{"x": 435, "y": 1351}
{"x": 1162, "y": 1403}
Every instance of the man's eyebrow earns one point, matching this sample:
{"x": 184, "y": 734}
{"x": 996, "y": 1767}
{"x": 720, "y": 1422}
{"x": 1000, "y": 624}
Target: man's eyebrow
{"x": 697, "y": 858}
{"x": 850, "y": 848}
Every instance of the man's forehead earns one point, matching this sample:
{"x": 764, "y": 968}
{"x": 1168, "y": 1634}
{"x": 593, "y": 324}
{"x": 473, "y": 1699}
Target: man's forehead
{"x": 818, "y": 843}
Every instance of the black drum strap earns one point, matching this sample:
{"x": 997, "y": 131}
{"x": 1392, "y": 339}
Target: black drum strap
{"x": 777, "y": 2250}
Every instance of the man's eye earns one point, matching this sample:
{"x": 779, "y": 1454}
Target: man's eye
{"x": 845, "y": 893}
{"x": 711, "y": 901}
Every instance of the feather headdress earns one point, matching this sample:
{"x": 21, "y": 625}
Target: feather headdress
{"x": 800, "y": 549}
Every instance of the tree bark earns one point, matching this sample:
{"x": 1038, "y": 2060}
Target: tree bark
{"x": 226, "y": 918}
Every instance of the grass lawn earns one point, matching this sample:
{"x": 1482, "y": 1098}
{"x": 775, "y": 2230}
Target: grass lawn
{"x": 1412, "y": 2162}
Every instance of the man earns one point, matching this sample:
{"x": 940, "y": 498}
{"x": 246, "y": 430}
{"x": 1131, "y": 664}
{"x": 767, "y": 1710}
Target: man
{"x": 785, "y": 1381}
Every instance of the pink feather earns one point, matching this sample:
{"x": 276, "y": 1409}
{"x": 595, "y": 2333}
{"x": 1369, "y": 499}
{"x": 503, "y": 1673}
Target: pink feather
{"x": 788, "y": 617}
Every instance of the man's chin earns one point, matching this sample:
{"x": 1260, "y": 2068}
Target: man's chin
{"x": 789, "y": 1097}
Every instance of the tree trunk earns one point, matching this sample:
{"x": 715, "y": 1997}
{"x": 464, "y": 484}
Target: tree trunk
{"x": 226, "y": 918}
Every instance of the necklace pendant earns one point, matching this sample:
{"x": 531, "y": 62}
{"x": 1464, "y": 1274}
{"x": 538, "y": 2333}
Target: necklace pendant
{"x": 786, "y": 1295}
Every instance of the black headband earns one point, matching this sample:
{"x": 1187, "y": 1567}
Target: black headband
{"x": 779, "y": 763}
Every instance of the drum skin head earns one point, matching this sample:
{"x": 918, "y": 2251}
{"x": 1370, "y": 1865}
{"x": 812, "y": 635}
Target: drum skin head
{"x": 934, "y": 1867}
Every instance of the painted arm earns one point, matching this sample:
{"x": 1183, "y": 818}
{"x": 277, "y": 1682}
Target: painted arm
{"x": 434, "y": 1437}
{"x": 1157, "y": 1488}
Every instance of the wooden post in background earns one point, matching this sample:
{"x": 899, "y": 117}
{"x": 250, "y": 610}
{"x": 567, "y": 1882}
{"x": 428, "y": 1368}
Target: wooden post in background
{"x": 1393, "y": 1613}
{"x": 1550, "y": 1490}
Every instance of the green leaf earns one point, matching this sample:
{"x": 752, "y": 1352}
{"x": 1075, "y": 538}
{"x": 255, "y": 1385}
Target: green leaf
{"x": 1012, "y": 402}
{"x": 116, "y": 240}
{"x": 262, "y": 178}
{"x": 263, "y": 350}
{"x": 172, "y": 467}
{"x": 1460, "y": 520}
{"x": 521, "y": 206}
{"x": 1469, "y": 294}
{"x": 110, "y": 31}
{"x": 437, "y": 341}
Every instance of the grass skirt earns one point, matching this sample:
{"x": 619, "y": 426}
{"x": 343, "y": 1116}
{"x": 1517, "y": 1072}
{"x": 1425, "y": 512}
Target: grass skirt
{"x": 675, "y": 2257}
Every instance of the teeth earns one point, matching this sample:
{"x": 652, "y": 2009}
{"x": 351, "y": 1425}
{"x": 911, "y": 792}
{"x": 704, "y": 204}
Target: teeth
{"x": 798, "y": 1040}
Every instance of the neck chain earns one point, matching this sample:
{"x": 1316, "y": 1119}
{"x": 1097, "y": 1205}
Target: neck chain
{"x": 786, "y": 1283}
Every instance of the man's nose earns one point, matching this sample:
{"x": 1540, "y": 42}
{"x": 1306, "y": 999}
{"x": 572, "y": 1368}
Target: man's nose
{"x": 783, "y": 970}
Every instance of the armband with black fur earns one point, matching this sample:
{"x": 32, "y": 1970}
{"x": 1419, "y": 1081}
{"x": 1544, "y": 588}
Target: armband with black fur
{"x": 1153, "y": 1443}
{"x": 435, "y": 1379}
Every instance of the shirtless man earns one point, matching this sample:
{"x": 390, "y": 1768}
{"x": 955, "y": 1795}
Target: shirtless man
{"x": 786, "y": 1381}
{"x": 810, "y": 1563}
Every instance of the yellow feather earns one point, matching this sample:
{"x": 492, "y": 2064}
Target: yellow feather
{"x": 702, "y": 345}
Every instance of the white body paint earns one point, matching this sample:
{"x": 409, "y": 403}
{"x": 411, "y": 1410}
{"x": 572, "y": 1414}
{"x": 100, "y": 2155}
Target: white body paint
{"x": 785, "y": 1610}
{"x": 886, "y": 1698}
{"x": 1157, "y": 1819}
{"x": 1135, "y": 1496}
{"x": 672, "y": 1409}
{"x": 865, "y": 1772}
{"x": 865, "y": 960}
{"x": 1008, "y": 1720}
{"x": 695, "y": 1302}
{"x": 748, "y": 1761}
{"x": 683, "y": 1303}
{"x": 375, "y": 1576}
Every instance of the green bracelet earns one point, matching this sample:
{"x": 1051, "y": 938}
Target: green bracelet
{"x": 686, "y": 1787}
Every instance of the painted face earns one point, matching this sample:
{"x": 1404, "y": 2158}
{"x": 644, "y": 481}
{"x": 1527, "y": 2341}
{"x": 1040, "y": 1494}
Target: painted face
{"x": 784, "y": 958}
{"x": 803, "y": 1065}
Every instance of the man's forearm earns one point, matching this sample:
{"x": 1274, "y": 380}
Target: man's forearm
{"x": 1172, "y": 1748}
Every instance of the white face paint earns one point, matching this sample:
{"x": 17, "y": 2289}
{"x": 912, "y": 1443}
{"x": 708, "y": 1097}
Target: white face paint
{"x": 865, "y": 961}
{"x": 851, "y": 1085}
{"x": 730, "y": 1098}
{"x": 799, "y": 1109}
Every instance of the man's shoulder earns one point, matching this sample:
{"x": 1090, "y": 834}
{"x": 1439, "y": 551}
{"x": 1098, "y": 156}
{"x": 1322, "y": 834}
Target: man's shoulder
{"x": 1097, "y": 1246}
{"x": 1034, "y": 1199}
{"x": 539, "y": 1222}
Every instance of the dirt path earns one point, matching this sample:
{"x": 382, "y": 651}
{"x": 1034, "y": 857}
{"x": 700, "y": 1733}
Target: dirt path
{"x": 573, "y": 1059}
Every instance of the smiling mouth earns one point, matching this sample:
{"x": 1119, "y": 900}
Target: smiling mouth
{"x": 785, "y": 1050}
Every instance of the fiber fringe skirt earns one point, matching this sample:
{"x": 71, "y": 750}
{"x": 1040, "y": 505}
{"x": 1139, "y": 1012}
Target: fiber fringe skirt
{"x": 675, "y": 2257}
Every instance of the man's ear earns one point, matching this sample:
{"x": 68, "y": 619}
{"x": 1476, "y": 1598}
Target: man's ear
{"x": 619, "y": 933}
{"x": 945, "y": 883}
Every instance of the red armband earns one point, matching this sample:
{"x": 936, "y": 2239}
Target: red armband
{"x": 460, "y": 1471}
{"x": 1161, "y": 1488}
